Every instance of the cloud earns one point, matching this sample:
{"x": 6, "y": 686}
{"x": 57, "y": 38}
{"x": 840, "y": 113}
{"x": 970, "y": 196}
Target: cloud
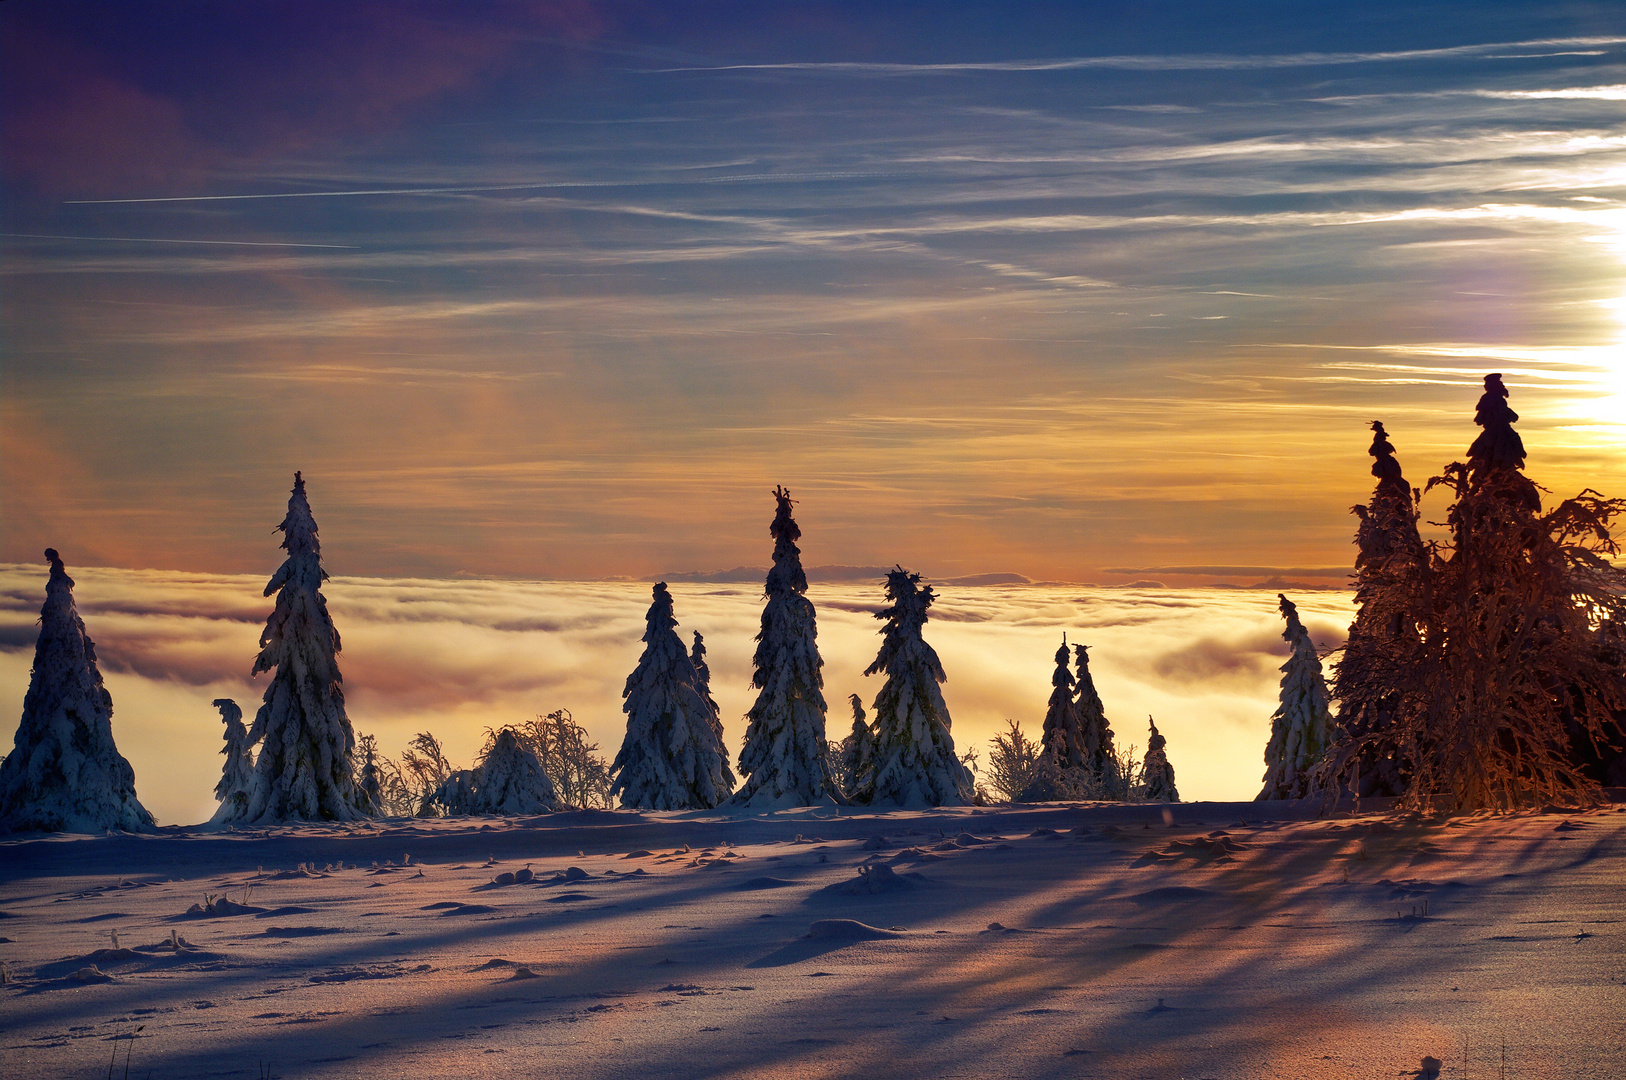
{"x": 455, "y": 657}
{"x": 1590, "y": 46}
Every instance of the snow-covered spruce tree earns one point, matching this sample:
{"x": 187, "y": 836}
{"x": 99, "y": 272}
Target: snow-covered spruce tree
{"x": 1156, "y": 774}
{"x": 369, "y": 779}
{"x": 1063, "y": 770}
{"x": 857, "y": 750}
{"x": 1301, "y": 728}
{"x": 783, "y": 761}
{"x": 237, "y": 772}
{"x": 64, "y": 774}
{"x": 1393, "y": 583}
{"x": 304, "y": 771}
{"x": 915, "y": 763}
{"x": 1514, "y": 686}
{"x": 673, "y": 757}
{"x": 510, "y": 780}
{"x": 1106, "y": 779}
{"x": 702, "y": 683}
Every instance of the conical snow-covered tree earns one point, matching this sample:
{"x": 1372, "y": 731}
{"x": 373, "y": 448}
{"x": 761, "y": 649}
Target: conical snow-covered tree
{"x": 915, "y": 763}
{"x": 702, "y": 683}
{"x": 1100, "y": 755}
{"x": 237, "y": 772}
{"x": 673, "y": 757}
{"x": 1301, "y": 729}
{"x": 1156, "y": 774}
{"x": 304, "y": 771}
{"x": 1392, "y": 584}
{"x": 783, "y": 761}
{"x": 857, "y": 750}
{"x": 64, "y": 774}
{"x": 369, "y": 782}
{"x": 1063, "y": 739}
{"x": 510, "y": 780}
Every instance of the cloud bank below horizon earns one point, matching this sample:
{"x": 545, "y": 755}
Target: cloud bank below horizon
{"x": 457, "y": 656}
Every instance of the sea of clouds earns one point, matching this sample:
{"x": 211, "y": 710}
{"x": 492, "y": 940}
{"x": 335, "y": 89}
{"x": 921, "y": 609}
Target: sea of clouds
{"x": 457, "y": 656}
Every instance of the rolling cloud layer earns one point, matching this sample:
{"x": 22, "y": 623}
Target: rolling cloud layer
{"x": 457, "y": 656}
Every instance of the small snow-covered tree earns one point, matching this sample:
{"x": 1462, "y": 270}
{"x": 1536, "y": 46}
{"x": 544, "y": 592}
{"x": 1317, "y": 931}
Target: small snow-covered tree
{"x": 857, "y": 754}
{"x": 1156, "y": 774}
{"x": 510, "y": 779}
{"x": 673, "y": 757}
{"x": 783, "y": 761}
{"x": 1067, "y": 767}
{"x": 369, "y": 779}
{"x": 915, "y": 762}
{"x": 1013, "y": 759}
{"x": 1106, "y": 779}
{"x": 1393, "y": 583}
{"x": 64, "y": 773}
{"x": 1301, "y": 728}
{"x": 304, "y": 771}
{"x": 237, "y": 773}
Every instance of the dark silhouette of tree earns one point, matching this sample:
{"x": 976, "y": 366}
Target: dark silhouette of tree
{"x": 237, "y": 772}
{"x": 1392, "y": 588}
{"x": 857, "y": 754}
{"x": 1516, "y": 678}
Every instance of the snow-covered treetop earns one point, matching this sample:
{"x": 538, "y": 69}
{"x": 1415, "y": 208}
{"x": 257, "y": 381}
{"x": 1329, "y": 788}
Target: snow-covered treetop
{"x": 1498, "y": 446}
{"x": 1385, "y": 467}
{"x": 1155, "y": 741}
{"x": 858, "y": 708}
{"x": 300, "y": 573}
{"x": 1294, "y": 631}
{"x": 904, "y": 620}
{"x": 787, "y": 574}
{"x": 230, "y": 711}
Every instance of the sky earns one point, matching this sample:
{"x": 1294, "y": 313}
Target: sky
{"x": 1082, "y": 292}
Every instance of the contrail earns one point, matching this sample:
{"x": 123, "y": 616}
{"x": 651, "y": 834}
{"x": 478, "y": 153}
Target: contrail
{"x": 164, "y": 240}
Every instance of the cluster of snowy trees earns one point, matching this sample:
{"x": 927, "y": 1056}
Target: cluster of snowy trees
{"x": 1484, "y": 671}
{"x": 673, "y": 756}
{"x": 1075, "y": 757}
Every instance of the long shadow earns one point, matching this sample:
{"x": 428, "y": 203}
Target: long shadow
{"x": 1154, "y": 904}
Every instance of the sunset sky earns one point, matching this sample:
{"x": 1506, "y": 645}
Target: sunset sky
{"x": 1088, "y": 292}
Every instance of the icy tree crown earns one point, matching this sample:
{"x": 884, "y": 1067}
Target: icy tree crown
{"x": 787, "y": 574}
{"x": 1498, "y": 446}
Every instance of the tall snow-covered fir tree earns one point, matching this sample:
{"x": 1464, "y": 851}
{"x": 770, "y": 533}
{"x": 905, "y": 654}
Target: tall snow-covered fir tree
{"x": 237, "y": 771}
{"x": 1100, "y": 755}
{"x": 1156, "y": 774}
{"x": 1392, "y": 586}
{"x": 673, "y": 757}
{"x": 915, "y": 762}
{"x": 304, "y": 771}
{"x": 783, "y": 762}
{"x": 64, "y": 774}
{"x": 857, "y": 750}
{"x": 1301, "y": 728}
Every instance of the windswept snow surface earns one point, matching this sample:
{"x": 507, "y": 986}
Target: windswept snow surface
{"x": 1094, "y": 940}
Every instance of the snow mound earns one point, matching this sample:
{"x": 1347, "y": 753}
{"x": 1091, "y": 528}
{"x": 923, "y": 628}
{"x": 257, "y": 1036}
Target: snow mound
{"x": 849, "y": 930}
{"x": 877, "y": 843}
{"x": 764, "y": 883}
{"x": 875, "y": 878}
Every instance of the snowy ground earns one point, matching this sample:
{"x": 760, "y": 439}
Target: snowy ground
{"x": 1062, "y": 941}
